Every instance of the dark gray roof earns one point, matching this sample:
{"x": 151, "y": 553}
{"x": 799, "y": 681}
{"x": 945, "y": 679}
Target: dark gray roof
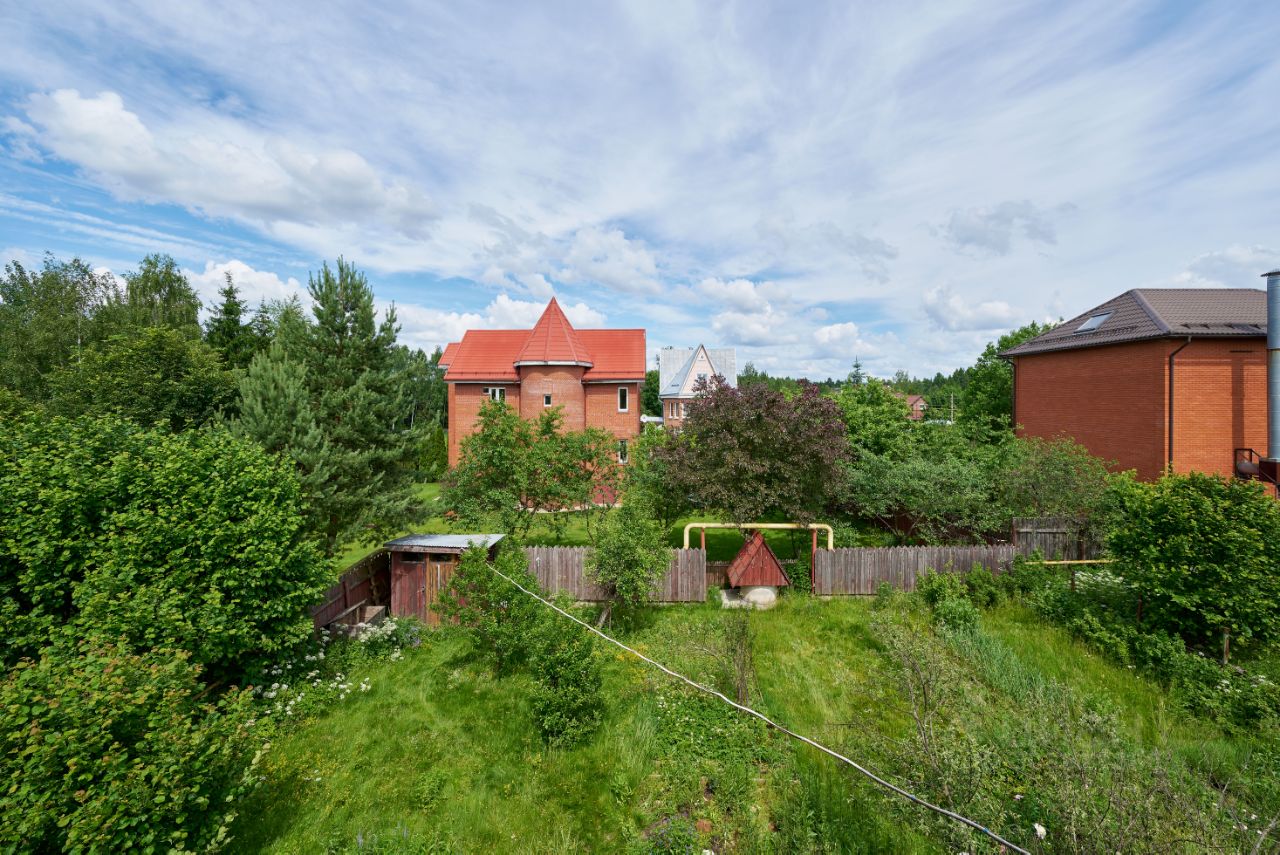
{"x": 1146, "y": 313}
{"x": 440, "y": 542}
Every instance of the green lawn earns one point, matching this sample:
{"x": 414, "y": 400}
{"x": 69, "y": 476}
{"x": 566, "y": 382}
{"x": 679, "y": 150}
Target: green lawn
{"x": 441, "y": 756}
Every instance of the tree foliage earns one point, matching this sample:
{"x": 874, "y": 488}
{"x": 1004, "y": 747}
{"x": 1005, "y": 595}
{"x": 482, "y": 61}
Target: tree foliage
{"x": 986, "y": 406}
{"x": 876, "y": 419}
{"x": 192, "y": 541}
{"x": 110, "y": 750}
{"x": 651, "y": 404}
{"x": 47, "y": 318}
{"x": 647, "y": 479}
{"x": 157, "y": 294}
{"x": 630, "y": 554}
{"x": 229, "y": 332}
{"x": 501, "y": 621}
{"x": 345, "y": 362}
{"x": 153, "y": 375}
{"x": 755, "y": 453}
{"x": 513, "y": 471}
{"x": 1202, "y": 550}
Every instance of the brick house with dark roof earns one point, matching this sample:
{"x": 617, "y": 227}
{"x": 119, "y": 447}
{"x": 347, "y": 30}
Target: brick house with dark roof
{"x": 594, "y": 376}
{"x": 1156, "y": 378}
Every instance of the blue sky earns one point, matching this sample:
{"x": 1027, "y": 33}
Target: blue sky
{"x": 807, "y": 182}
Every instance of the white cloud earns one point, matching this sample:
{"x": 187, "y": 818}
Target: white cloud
{"x": 1234, "y": 267}
{"x": 739, "y": 294}
{"x": 992, "y": 230}
{"x": 255, "y": 286}
{"x": 223, "y": 168}
{"x": 952, "y": 312}
{"x": 429, "y": 328}
{"x": 611, "y": 259}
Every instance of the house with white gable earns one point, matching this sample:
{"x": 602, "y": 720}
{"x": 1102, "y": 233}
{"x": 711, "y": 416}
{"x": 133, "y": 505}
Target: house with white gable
{"x": 680, "y": 369}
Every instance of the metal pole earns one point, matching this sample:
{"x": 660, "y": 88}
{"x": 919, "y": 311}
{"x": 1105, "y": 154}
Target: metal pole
{"x": 1273, "y": 364}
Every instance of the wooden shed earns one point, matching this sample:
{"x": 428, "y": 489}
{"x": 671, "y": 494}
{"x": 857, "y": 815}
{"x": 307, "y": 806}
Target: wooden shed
{"x": 421, "y": 566}
{"x": 755, "y": 565}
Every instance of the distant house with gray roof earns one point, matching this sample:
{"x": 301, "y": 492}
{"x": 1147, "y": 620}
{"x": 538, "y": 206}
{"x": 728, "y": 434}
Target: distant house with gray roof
{"x": 680, "y": 369}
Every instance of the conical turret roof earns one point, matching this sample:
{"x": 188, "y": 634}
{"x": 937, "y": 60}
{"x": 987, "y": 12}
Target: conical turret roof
{"x": 553, "y": 341}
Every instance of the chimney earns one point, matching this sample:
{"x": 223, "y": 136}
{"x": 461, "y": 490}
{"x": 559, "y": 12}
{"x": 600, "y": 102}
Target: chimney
{"x": 1273, "y": 365}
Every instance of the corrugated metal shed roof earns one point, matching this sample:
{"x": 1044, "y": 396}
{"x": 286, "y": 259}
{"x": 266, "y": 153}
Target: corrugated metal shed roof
{"x": 755, "y": 564}
{"x": 441, "y": 542}
{"x": 1146, "y": 313}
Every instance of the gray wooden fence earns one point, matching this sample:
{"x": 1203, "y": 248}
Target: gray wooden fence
{"x": 562, "y": 570}
{"x": 1057, "y": 538}
{"x": 860, "y": 571}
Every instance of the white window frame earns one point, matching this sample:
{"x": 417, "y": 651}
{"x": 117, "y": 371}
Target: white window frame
{"x": 546, "y": 400}
{"x": 624, "y": 454}
{"x": 624, "y": 399}
{"x": 496, "y": 393}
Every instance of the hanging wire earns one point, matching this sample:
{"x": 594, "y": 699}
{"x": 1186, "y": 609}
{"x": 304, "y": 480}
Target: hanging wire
{"x": 770, "y": 722}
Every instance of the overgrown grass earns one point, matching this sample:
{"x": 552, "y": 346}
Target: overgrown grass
{"x": 441, "y": 756}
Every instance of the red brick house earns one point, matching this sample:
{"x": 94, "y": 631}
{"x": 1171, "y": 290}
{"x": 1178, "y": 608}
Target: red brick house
{"x": 1155, "y": 378}
{"x": 594, "y": 376}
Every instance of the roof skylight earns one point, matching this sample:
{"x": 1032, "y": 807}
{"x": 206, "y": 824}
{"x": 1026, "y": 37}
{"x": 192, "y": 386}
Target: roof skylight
{"x": 1094, "y": 322}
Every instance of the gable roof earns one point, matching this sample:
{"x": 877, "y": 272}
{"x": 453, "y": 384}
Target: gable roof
{"x": 495, "y": 355}
{"x": 1147, "y": 313}
{"x": 450, "y": 350}
{"x": 755, "y": 564}
{"x": 675, "y": 364}
{"x": 553, "y": 341}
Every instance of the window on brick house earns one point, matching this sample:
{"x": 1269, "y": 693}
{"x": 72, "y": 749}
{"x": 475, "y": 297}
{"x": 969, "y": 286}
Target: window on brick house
{"x": 546, "y": 400}
{"x": 623, "y": 399}
{"x": 622, "y": 451}
{"x": 496, "y": 393}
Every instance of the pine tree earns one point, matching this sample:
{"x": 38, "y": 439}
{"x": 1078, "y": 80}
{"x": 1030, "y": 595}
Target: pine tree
{"x": 226, "y": 330}
{"x": 275, "y": 411}
{"x": 358, "y": 401}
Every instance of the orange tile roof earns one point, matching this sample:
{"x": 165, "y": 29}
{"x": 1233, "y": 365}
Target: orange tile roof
{"x": 450, "y": 351}
{"x": 755, "y": 564}
{"x": 553, "y": 341}
{"x": 487, "y": 355}
{"x": 494, "y": 354}
{"x": 617, "y": 354}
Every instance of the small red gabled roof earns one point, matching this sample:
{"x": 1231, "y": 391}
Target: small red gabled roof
{"x": 450, "y": 351}
{"x": 553, "y": 341}
{"x": 755, "y": 564}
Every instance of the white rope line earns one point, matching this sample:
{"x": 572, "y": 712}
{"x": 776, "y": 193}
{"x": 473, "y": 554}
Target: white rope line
{"x": 770, "y": 722}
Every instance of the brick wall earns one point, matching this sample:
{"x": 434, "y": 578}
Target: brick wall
{"x": 563, "y": 383}
{"x": 584, "y": 405}
{"x": 1219, "y": 403}
{"x": 602, "y": 409}
{"x": 1114, "y": 401}
{"x": 465, "y": 400}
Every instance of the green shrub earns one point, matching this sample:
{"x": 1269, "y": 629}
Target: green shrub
{"x": 800, "y": 575}
{"x": 982, "y": 587}
{"x": 105, "y": 750}
{"x": 499, "y": 618}
{"x": 935, "y": 587}
{"x": 1203, "y": 551}
{"x": 193, "y": 541}
{"x": 568, "y": 702}
{"x": 957, "y": 614}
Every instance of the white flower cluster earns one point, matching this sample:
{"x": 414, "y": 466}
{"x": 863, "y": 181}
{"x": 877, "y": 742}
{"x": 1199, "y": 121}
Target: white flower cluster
{"x": 366, "y": 633}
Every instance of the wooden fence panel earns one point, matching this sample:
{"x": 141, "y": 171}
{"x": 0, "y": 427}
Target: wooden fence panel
{"x": 1055, "y": 537}
{"x": 359, "y": 583}
{"x": 858, "y": 572}
{"x": 562, "y": 570}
